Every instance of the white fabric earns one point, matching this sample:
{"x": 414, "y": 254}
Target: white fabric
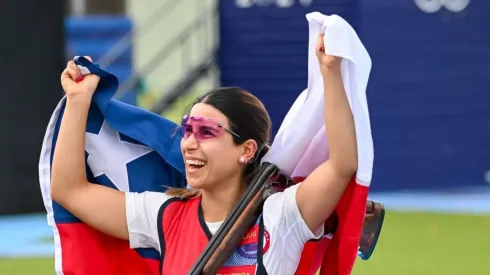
{"x": 287, "y": 230}
{"x": 301, "y": 144}
{"x": 44, "y": 169}
{"x": 45, "y": 184}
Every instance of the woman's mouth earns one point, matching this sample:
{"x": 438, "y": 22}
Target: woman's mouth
{"x": 194, "y": 165}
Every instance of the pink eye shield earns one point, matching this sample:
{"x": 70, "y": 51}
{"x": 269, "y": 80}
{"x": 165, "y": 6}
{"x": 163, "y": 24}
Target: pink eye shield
{"x": 202, "y": 128}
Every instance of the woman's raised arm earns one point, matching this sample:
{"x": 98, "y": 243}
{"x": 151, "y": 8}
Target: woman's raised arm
{"x": 321, "y": 191}
{"x": 98, "y": 206}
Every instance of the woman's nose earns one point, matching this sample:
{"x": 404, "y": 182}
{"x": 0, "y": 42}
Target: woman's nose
{"x": 190, "y": 143}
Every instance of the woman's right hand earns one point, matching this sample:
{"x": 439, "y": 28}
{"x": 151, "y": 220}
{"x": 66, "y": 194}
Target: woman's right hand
{"x": 77, "y": 85}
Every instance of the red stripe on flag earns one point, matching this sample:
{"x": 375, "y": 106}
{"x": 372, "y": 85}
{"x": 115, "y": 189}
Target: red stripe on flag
{"x": 86, "y": 251}
{"x": 312, "y": 256}
{"x": 341, "y": 254}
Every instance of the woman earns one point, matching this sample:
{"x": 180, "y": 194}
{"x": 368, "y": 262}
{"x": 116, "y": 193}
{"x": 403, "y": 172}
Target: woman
{"x": 225, "y": 135}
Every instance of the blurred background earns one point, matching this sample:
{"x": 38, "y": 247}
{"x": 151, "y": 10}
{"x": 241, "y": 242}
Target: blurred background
{"x": 428, "y": 96}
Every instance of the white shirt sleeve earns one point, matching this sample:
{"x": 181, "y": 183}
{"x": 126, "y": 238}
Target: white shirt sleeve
{"x": 142, "y": 217}
{"x": 287, "y": 230}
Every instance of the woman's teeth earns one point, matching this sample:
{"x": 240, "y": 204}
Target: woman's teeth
{"x": 195, "y": 162}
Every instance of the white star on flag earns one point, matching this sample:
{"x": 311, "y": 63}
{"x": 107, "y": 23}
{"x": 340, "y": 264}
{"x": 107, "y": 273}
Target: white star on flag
{"x": 106, "y": 157}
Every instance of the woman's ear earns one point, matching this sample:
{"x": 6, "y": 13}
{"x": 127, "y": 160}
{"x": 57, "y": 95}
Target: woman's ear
{"x": 249, "y": 150}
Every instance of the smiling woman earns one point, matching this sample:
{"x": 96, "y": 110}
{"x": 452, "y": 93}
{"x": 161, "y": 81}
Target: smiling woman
{"x": 223, "y": 114}
{"x": 225, "y": 137}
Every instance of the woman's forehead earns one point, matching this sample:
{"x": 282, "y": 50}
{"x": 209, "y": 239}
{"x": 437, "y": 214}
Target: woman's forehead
{"x": 208, "y": 111}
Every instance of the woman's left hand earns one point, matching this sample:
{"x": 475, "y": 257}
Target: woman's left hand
{"x": 326, "y": 61}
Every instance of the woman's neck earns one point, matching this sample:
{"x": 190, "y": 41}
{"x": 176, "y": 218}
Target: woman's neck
{"x": 217, "y": 204}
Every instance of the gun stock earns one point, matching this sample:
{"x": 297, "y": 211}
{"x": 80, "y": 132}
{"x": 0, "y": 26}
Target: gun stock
{"x": 251, "y": 203}
{"x": 235, "y": 235}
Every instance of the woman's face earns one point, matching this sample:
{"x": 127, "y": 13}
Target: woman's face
{"x": 211, "y": 158}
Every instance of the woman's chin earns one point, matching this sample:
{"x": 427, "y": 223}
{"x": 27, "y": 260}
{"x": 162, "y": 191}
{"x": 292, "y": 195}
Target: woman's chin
{"x": 195, "y": 183}
{"x": 195, "y": 178}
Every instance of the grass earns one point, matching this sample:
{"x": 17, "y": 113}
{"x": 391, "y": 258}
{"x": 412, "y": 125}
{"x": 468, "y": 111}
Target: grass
{"x": 27, "y": 266}
{"x": 411, "y": 244}
{"x": 427, "y": 244}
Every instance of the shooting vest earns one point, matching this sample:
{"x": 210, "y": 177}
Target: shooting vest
{"x": 184, "y": 235}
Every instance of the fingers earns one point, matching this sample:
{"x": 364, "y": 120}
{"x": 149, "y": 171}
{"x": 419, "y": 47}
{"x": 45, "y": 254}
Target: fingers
{"x": 73, "y": 71}
{"x": 320, "y": 47}
{"x": 321, "y": 37}
{"x": 65, "y": 78}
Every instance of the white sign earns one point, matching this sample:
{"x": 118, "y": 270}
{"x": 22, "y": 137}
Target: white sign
{"x": 432, "y": 6}
{"x": 278, "y": 3}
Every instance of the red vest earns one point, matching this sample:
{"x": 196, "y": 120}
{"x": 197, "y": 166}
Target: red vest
{"x": 184, "y": 236}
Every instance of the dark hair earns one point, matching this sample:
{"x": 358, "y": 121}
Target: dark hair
{"x": 247, "y": 117}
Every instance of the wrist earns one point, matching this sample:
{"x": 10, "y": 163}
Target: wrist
{"x": 330, "y": 71}
{"x": 79, "y": 100}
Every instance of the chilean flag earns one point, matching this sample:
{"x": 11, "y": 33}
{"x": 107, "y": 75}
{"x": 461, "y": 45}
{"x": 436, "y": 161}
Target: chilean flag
{"x": 127, "y": 148}
{"x": 301, "y": 145}
{"x": 131, "y": 149}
